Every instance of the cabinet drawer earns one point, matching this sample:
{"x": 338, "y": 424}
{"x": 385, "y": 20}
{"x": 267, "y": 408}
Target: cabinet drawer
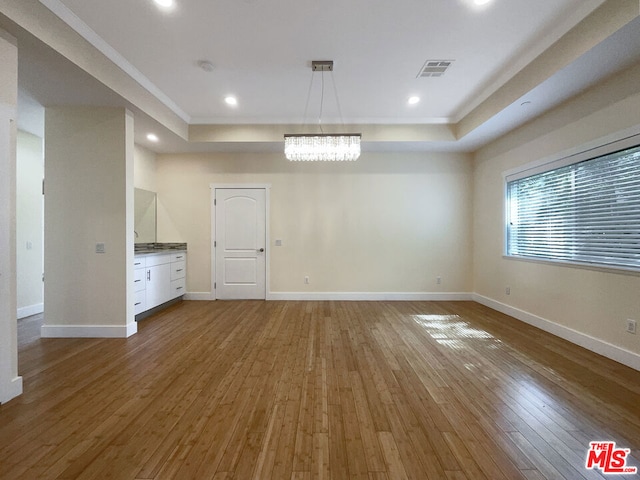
{"x": 177, "y": 270}
{"x": 139, "y": 302}
{"x": 139, "y": 262}
{"x": 178, "y": 288}
{"x": 154, "y": 260}
{"x": 178, "y": 257}
{"x": 139, "y": 279}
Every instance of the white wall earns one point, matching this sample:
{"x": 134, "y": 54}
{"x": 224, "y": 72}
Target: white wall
{"x": 588, "y": 306}
{"x": 88, "y": 200}
{"x": 386, "y": 223}
{"x": 10, "y": 382}
{"x": 29, "y": 224}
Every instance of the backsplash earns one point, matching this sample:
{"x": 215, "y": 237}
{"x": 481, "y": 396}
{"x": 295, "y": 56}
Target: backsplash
{"x": 150, "y": 247}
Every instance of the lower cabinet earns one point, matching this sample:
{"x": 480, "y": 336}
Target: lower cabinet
{"x": 139, "y": 284}
{"x": 178, "y": 274}
{"x": 158, "y": 285}
{"x": 158, "y": 278}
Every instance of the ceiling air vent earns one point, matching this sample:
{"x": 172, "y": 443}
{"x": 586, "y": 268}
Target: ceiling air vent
{"x": 434, "y": 68}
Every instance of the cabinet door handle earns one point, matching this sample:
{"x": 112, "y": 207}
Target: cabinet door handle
{"x": 136, "y": 281}
{"x": 138, "y": 303}
{"x": 179, "y": 288}
{"x": 149, "y": 275}
{"x": 179, "y": 270}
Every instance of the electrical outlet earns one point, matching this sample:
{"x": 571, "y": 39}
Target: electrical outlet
{"x": 100, "y": 248}
{"x": 438, "y": 280}
{"x": 631, "y": 326}
{"x": 507, "y": 290}
{"x": 306, "y": 280}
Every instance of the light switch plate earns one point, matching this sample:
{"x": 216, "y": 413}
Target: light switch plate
{"x": 100, "y": 248}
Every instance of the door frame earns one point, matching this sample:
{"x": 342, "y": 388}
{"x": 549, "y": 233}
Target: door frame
{"x": 249, "y": 186}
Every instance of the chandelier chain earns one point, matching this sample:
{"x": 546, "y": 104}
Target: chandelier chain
{"x": 321, "y": 101}
{"x": 306, "y": 107}
{"x": 335, "y": 92}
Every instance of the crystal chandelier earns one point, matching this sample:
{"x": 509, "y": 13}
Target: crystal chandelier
{"x": 322, "y": 146}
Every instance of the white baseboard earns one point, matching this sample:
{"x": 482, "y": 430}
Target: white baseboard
{"x": 625, "y": 357}
{"x": 198, "y": 296}
{"x": 372, "y": 296}
{"x": 353, "y": 296}
{"x": 88, "y": 331}
{"x": 30, "y": 310}
{"x": 12, "y": 389}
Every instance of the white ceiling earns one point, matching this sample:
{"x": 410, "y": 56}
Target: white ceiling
{"x": 261, "y": 52}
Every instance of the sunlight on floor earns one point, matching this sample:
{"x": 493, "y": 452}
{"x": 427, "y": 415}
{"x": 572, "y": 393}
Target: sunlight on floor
{"x": 451, "y": 330}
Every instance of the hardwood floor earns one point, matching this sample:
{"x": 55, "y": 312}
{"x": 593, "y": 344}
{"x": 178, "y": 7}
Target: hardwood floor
{"x": 304, "y": 390}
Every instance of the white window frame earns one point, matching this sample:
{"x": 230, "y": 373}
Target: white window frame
{"x": 623, "y": 141}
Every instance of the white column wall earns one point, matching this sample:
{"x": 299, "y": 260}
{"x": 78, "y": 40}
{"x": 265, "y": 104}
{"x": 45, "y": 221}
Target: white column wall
{"x": 88, "y": 200}
{"x": 10, "y": 382}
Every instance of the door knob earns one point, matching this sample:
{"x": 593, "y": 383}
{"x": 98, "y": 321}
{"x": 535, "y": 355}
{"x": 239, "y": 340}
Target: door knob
{"x": 260, "y": 250}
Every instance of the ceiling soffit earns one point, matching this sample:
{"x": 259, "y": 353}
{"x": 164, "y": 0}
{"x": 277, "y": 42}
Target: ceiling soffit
{"x": 31, "y": 15}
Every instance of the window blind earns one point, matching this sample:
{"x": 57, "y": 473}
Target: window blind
{"x": 587, "y": 212}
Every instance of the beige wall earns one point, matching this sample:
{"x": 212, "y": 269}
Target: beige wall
{"x": 386, "y": 223}
{"x": 579, "y": 303}
{"x": 29, "y": 224}
{"x": 88, "y": 199}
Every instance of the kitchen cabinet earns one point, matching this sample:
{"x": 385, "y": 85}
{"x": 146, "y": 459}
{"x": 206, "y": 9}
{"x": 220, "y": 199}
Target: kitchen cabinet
{"x": 139, "y": 286}
{"x": 158, "y": 279}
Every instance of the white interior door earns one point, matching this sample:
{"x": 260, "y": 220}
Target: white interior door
{"x": 240, "y": 236}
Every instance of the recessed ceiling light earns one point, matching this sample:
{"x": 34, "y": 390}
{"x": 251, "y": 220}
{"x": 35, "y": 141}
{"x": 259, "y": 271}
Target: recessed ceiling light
{"x": 152, "y": 137}
{"x": 481, "y": 2}
{"x": 165, "y": 3}
{"x": 413, "y": 100}
{"x": 230, "y": 100}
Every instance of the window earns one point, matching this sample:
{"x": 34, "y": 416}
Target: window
{"x": 584, "y": 212}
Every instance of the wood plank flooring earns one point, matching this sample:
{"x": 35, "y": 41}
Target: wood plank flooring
{"x": 316, "y": 390}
